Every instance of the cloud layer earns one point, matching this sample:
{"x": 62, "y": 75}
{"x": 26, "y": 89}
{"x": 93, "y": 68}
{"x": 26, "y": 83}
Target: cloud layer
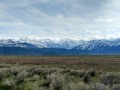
{"x": 59, "y": 18}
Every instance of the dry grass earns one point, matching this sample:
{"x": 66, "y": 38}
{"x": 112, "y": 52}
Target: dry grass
{"x": 104, "y": 63}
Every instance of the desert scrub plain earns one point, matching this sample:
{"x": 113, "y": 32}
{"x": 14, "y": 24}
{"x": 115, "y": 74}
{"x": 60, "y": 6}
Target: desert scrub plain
{"x": 60, "y": 73}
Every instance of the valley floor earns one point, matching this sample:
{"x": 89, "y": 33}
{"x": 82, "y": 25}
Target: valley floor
{"x": 104, "y": 63}
{"x": 60, "y": 73}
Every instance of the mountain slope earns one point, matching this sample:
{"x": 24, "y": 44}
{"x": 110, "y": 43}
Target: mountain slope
{"x": 31, "y": 46}
{"x": 100, "y": 46}
{"x": 37, "y": 51}
{"x": 13, "y": 43}
{"x": 65, "y": 43}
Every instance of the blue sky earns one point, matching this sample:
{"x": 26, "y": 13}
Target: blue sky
{"x": 84, "y": 19}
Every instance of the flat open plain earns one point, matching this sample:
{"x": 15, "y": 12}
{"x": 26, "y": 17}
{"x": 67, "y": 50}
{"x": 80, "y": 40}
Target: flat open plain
{"x": 104, "y": 63}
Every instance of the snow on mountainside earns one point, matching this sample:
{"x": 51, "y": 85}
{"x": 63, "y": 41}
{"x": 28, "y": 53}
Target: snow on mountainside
{"x": 14, "y": 43}
{"x": 66, "y": 43}
{"x": 98, "y": 44}
{"x": 52, "y": 43}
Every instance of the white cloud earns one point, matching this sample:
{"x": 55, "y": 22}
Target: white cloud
{"x": 109, "y": 20}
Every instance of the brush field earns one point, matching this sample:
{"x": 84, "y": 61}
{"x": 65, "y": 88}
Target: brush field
{"x": 60, "y": 73}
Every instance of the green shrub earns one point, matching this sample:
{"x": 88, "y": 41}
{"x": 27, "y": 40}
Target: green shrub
{"x": 79, "y": 73}
{"x": 8, "y": 84}
{"x": 45, "y": 83}
{"x": 56, "y": 81}
{"x": 3, "y": 73}
{"x": 117, "y": 79}
{"x": 92, "y": 73}
{"x": 107, "y": 79}
{"x": 35, "y": 78}
{"x": 86, "y": 78}
{"x": 4, "y": 65}
{"x": 14, "y": 71}
{"x": 116, "y": 87}
{"x": 21, "y": 76}
{"x": 98, "y": 86}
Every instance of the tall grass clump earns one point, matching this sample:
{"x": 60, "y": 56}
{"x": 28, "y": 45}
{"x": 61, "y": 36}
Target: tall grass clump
{"x": 116, "y": 87}
{"x": 20, "y": 78}
{"x": 8, "y": 84}
{"x": 56, "y": 81}
{"x": 86, "y": 78}
{"x": 107, "y": 79}
{"x": 98, "y": 86}
{"x": 78, "y": 73}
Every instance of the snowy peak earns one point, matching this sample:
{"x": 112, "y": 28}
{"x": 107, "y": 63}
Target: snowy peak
{"x": 14, "y": 43}
{"x": 7, "y": 41}
{"x": 98, "y": 44}
{"x": 66, "y": 43}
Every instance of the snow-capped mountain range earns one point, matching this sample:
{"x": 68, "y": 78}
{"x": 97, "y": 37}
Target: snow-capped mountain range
{"x": 65, "y": 43}
{"x": 73, "y": 46}
{"x": 41, "y": 43}
{"x": 93, "y": 44}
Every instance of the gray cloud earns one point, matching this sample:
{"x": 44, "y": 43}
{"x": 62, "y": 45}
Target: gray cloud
{"x": 82, "y": 8}
{"x": 59, "y": 17}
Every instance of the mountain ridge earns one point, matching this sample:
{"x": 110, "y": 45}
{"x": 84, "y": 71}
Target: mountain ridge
{"x": 59, "y": 47}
